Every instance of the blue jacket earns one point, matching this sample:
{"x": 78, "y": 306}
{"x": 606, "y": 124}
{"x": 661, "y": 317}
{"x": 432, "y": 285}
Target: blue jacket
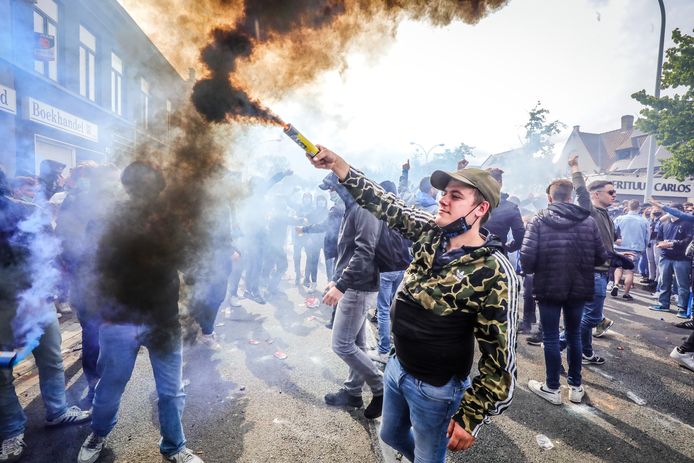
{"x": 633, "y": 228}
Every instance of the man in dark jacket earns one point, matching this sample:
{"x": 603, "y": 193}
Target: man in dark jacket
{"x": 138, "y": 259}
{"x": 673, "y": 235}
{"x": 561, "y": 248}
{"x": 505, "y": 218}
{"x": 353, "y": 288}
{"x": 596, "y": 198}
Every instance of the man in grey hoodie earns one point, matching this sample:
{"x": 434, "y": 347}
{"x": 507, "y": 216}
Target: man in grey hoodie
{"x": 353, "y": 288}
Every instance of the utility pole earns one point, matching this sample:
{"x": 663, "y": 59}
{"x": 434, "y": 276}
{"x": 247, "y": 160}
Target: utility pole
{"x": 651, "y": 143}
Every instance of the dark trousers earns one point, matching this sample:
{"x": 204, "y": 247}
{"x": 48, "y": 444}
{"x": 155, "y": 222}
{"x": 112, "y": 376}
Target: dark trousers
{"x": 90, "y": 324}
{"x": 528, "y": 302}
{"x": 550, "y": 312}
{"x": 688, "y": 345}
{"x": 208, "y": 295}
{"x": 312, "y": 257}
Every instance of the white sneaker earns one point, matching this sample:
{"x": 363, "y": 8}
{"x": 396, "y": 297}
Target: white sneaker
{"x": 234, "y": 301}
{"x": 91, "y": 449}
{"x": 184, "y": 456}
{"x": 63, "y": 307}
{"x": 552, "y": 396}
{"x": 210, "y": 341}
{"x": 73, "y": 415}
{"x": 12, "y": 449}
{"x": 576, "y": 394}
{"x": 686, "y": 360}
{"x": 377, "y": 356}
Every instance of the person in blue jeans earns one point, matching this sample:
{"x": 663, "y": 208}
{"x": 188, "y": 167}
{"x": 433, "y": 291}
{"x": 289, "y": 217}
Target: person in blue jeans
{"x": 672, "y": 238}
{"x": 137, "y": 260}
{"x": 596, "y": 198}
{"x": 393, "y": 270}
{"x": 387, "y": 288}
{"x": 460, "y": 292}
{"x": 561, "y": 247}
{"x": 20, "y": 324}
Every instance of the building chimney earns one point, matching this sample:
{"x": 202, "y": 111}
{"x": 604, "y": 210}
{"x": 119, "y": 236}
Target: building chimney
{"x": 191, "y": 75}
{"x": 627, "y": 122}
{"x": 577, "y": 128}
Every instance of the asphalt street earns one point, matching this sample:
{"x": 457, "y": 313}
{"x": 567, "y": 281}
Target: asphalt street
{"x": 244, "y": 404}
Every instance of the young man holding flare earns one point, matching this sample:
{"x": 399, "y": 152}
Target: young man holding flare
{"x": 458, "y": 289}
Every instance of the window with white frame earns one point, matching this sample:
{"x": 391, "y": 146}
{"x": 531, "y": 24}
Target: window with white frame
{"x": 116, "y": 84}
{"x": 144, "y": 103}
{"x": 87, "y": 64}
{"x": 46, "y": 33}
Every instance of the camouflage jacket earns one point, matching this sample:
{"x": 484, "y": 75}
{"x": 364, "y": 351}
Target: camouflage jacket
{"x": 481, "y": 282}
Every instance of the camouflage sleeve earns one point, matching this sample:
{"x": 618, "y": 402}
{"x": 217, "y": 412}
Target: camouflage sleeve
{"x": 495, "y": 330}
{"x": 407, "y": 220}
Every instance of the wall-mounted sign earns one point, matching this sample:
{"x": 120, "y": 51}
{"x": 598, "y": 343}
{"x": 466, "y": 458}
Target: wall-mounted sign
{"x": 631, "y": 185}
{"x": 44, "y": 47}
{"x": 46, "y": 114}
{"x": 8, "y": 99}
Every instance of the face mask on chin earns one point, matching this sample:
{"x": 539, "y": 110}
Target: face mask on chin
{"x": 460, "y": 225}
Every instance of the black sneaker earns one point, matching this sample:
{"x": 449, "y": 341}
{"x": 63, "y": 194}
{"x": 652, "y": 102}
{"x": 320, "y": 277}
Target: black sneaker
{"x": 689, "y": 325}
{"x": 535, "y": 340}
{"x": 374, "y": 409}
{"x": 594, "y": 360}
{"x": 614, "y": 291}
{"x": 628, "y": 297}
{"x": 341, "y": 399}
{"x": 254, "y": 296}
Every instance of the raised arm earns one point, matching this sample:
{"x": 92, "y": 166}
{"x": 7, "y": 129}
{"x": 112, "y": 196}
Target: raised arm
{"x": 407, "y": 220}
{"x": 582, "y": 194}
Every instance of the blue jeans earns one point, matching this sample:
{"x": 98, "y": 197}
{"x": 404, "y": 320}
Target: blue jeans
{"x": 208, "y": 295}
{"x": 416, "y": 414}
{"x": 389, "y": 285}
{"x": 349, "y": 342}
{"x": 593, "y": 313}
{"x": 550, "y": 313}
{"x": 120, "y": 344}
{"x": 49, "y": 362}
{"x": 681, "y": 269}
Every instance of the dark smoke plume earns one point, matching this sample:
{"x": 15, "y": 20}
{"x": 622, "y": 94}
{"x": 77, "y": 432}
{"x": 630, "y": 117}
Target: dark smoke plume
{"x": 304, "y": 37}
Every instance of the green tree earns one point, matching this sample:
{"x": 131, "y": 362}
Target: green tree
{"x": 671, "y": 118}
{"x": 539, "y": 132}
{"x": 462, "y": 151}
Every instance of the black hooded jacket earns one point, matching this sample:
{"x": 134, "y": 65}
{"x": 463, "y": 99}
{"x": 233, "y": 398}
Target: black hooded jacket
{"x": 504, "y": 218}
{"x": 561, "y": 248}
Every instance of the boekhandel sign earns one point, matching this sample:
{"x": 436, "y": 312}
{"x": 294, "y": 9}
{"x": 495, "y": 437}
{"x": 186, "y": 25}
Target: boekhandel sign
{"x": 632, "y": 185}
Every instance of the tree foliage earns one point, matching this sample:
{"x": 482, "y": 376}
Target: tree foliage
{"x": 539, "y": 132}
{"x": 671, "y": 118}
{"x": 462, "y": 151}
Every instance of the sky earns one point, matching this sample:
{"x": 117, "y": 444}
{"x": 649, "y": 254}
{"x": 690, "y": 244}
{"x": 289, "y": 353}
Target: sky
{"x": 476, "y": 83}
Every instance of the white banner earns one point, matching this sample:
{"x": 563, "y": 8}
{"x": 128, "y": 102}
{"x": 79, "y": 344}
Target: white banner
{"x": 8, "y": 99}
{"x": 53, "y": 117}
{"x": 632, "y": 185}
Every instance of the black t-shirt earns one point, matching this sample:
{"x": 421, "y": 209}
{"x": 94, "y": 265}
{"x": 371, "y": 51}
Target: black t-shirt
{"x": 432, "y": 348}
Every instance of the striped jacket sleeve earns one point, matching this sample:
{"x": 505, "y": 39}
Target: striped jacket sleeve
{"x": 408, "y": 220}
{"x": 495, "y": 331}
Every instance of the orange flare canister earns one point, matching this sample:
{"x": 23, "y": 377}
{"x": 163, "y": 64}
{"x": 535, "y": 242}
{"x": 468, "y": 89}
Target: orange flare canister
{"x": 300, "y": 140}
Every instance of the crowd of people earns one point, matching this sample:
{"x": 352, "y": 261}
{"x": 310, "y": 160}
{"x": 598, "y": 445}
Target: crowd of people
{"x": 442, "y": 261}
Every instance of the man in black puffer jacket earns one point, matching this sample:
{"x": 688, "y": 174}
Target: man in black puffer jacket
{"x": 561, "y": 248}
